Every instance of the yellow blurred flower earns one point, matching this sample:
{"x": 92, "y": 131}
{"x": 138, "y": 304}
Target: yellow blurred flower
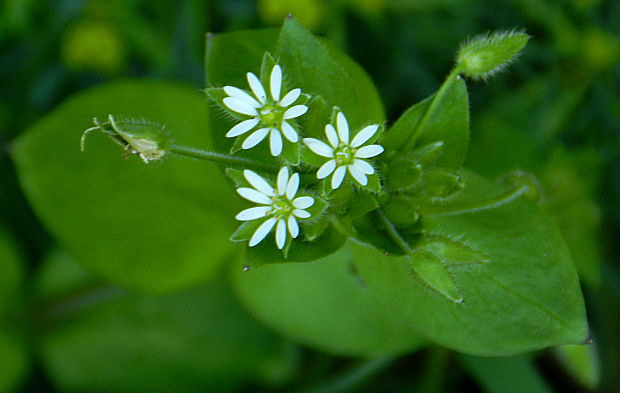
{"x": 93, "y": 46}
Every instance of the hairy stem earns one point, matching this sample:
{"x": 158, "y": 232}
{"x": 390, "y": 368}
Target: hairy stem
{"x": 220, "y": 158}
{"x": 393, "y": 232}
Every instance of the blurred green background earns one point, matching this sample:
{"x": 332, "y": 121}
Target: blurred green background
{"x": 555, "y": 113}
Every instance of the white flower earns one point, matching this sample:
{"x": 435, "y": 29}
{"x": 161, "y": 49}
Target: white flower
{"x": 278, "y": 205}
{"x": 269, "y": 112}
{"x": 345, "y": 155}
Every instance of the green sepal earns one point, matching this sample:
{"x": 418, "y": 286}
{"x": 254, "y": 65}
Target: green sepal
{"x": 430, "y": 272}
{"x": 245, "y": 231}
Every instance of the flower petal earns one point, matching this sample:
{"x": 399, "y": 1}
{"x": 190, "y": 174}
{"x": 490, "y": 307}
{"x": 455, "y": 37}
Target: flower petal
{"x": 282, "y": 180}
{"x": 338, "y": 177}
{"x": 295, "y": 111}
{"x": 293, "y": 228}
{"x": 258, "y": 182}
{"x": 255, "y": 196}
{"x": 262, "y": 231}
{"x": 276, "y": 82}
{"x": 281, "y": 233}
{"x": 319, "y": 147}
{"x": 255, "y": 138}
{"x": 343, "y": 127}
{"x": 275, "y": 142}
{"x": 257, "y": 87}
{"x": 301, "y": 213}
{"x": 303, "y": 202}
{"x": 289, "y": 132}
{"x": 369, "y": 151}
{"x": 332, "y": 136}
{"x": 326, "y": 169}
{"x": 242, "y": 128}
{"x": 237, "y": 93}
{"x": 292, "y": 186}
{"x": 290, "y": 97}
{"x": 253, "y": 213}
{"x": 363, "y": 166}
{"x": 358, "y": 175}
{"x": 236, "y": 105}
{"x": 364, "y": 135}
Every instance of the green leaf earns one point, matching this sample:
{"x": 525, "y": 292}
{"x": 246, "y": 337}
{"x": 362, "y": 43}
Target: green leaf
{"x": 324, "y": 304}
{"x": 301, "y": 250}
{"x": 15, "y": 363}
{"x": 526, "y": 296}
{"x": 443, "y": 117}
{"x": 150, "y": 227}
{"x": 583, "y": 363}
{"x": 186, "y": 342}
{"x": 516, "y": 374}
{"x": 11, "y": 271}
{"x": 319, "y": 68}
{"x": 13, "y": 351}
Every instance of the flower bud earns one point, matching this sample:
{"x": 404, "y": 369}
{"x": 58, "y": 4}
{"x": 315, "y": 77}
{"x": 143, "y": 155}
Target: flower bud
{"x": 485, "y": 55}
{"x": 148, "y": 140}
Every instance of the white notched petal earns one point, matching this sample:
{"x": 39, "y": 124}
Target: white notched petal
{"x": 255, "y": 196}
{"x": 363, "y": 166}
{"x": 332, "y": 136}
{"x": 282, "y": 180}
{"x": 253, "y": 213}
{"x": 290, "y": 97}
{"x": 326, "y": 169}
{"x": 301, "y": 213}
{"x": 293, "y": 228}
{"x": 242, "y": 128}
{"x": 257, "y": 87}
{"x": 303, "y": 202}
{"x": 369, "y": 151}
{"x": 292, "y": 186}
{"x": 236, "y": 105}
{"x": 289, "y": 132}
{"x": 364, "y": 135}
{"x": 295, "y": 111}
{"x": 255, "y": 138}
{"x": 236, "y": 92}
{"x": 338, "y": 177}
{"x": 258, "y": 182}
{"x": 281, "y": 233}
{"x": 276, "y": 82}
{"x": 343, "y": 127}
{"x": 275, "y": 142}
{"x": 319, "y": 147}
{"x": 358, "y": 175}
{"x": 262, "y": 231}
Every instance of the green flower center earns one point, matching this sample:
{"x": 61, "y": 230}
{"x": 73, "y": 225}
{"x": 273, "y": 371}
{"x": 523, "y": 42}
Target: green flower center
{"x": 344, "y": 155}
{"x": 271, "y": 115}
{"x": 282, "y": 207}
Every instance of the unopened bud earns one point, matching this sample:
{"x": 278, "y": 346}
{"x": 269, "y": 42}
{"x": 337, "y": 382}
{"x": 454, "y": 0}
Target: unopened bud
{"x": 485, "y": 55}
{"x": 148, "y": 140}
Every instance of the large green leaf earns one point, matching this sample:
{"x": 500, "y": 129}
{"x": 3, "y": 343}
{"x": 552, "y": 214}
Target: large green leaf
{"x": 324, "y": 304}
{"x": 319, "y": 68}
{"x": 151, "y": 227}
{"x": 442, "y": 117}
{"x": 196, "y": 340}
{"x": 523, "y": 295}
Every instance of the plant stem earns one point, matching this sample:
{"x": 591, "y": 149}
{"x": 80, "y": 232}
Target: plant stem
{"x": 352, "y": 377}
{"x": 220, "y": 158}
{"x": 393, "y": 232}
{"x": 438, "y": 96}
